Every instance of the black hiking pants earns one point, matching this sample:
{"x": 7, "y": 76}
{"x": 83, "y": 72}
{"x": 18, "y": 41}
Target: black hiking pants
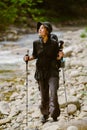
{"x": 49, "y": 98}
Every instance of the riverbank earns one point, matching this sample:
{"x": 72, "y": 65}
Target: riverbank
{"x": 13, "y": 85}
{"x": 14, "y": 32}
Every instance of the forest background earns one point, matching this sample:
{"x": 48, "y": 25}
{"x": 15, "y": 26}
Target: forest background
{"x": 27, "y": 12}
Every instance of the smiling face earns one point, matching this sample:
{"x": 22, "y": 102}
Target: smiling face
{"x": 43, "y": 32}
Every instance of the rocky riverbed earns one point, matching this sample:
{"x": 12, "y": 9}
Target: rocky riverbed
{"x": 13, "y": 91}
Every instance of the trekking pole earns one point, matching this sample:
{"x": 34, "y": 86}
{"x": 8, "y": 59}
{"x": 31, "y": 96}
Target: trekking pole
{"x": 63, "y": 66}
{"x": 27, "y": 89}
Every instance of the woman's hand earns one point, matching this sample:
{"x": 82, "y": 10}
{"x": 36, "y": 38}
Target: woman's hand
{"x": 26, "y": 58}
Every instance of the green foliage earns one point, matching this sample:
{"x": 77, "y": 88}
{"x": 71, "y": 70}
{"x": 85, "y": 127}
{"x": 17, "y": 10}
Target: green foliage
{"x": 13, "y": 11}
{"x": 84, "y": 33}
{"x": 19, "y": 11}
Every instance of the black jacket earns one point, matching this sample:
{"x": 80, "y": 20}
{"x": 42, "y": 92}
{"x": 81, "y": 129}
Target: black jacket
{"x": 46, "y": 54}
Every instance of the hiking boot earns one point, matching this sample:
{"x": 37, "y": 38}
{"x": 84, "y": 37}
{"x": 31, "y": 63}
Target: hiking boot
{"x": 44, "y": 119}
{"x": 54, "y": 118}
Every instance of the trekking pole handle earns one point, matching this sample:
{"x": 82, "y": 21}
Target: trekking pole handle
{"x": 27, "y": 56}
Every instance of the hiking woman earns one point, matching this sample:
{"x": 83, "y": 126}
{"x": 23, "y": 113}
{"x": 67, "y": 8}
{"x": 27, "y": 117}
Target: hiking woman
{"x": 45, "y": 51}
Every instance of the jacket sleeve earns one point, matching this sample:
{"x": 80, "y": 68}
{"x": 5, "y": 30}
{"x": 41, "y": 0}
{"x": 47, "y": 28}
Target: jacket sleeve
{"x": 34, "y": 53}
{"x": 56, "y": 48}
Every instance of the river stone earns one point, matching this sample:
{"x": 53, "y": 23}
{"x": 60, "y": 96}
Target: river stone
{"x": 81, "y": 124}
{"x": 72, "y": 128}
{"x": 5, "y": 120}
{"x": 68, "y": 51}
{"x": 70, "y": 100}
{"x": 75, "y": 63}
{"x": 82, "y": 115}
{"x": 72, "y": 109}
{"x": 27, "y": 128}
{"x": 12, "y": 35}
{"x": 14, "y": 96}
{"x": 84, "y": 108}
{"x": 4, "y": 107}
{"x": 82, "y": 80}
{"x": 74, "y": 100}
{"x": 52, "y": 127}
{"x": 74, "y": 73}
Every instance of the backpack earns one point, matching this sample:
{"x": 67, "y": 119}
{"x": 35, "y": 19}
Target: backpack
{"x": 60, "y": 43}
{"x": 60, "y": 63}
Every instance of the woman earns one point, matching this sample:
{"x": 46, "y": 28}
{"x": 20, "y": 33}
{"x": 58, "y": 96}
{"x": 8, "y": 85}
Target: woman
{"x": 45, "y": 50}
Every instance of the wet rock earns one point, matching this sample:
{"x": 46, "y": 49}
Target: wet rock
{"x": 5, "y": 120}
{"x": 4, "y": 107}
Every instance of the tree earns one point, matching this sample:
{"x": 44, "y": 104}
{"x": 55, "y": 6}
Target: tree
{"x": 13, "y": 11}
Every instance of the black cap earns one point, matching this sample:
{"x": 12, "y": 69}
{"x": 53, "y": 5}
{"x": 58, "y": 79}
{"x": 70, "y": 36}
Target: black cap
{"x": 46, "y": 24}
